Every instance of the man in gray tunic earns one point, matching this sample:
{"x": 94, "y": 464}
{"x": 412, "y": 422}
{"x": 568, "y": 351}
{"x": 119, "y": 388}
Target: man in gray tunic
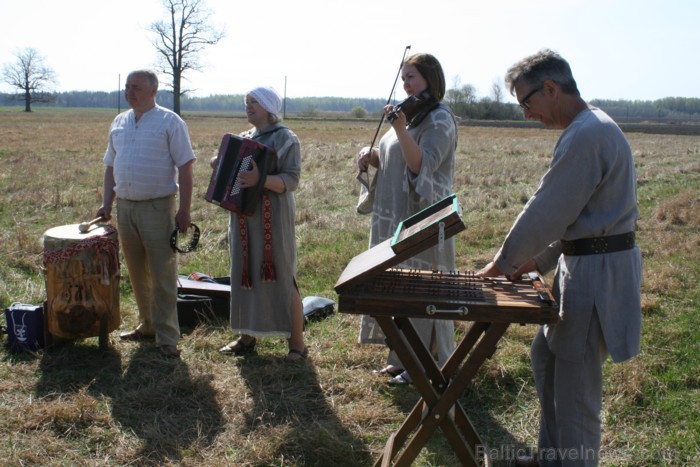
{"x": 581, "y": 219}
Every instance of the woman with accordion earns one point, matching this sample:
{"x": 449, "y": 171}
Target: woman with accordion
{"x": 265, "y": 298}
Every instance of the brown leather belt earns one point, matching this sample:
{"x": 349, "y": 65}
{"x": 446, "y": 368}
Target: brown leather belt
{"x": 598, "y": 245}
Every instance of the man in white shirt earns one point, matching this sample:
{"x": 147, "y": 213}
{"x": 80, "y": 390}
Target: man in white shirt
{"x": 148, "y": 162}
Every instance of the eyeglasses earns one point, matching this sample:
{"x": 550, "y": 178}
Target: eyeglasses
{"x": 523, "y": 103}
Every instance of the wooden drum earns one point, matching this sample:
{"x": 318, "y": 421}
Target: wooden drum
{"x": 82, "y": 281}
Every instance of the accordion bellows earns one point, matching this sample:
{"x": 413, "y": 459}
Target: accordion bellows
{"x": 235, "y": 155}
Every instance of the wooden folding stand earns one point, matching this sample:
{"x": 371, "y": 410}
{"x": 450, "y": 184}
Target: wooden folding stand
{"x": 370, "y": 286}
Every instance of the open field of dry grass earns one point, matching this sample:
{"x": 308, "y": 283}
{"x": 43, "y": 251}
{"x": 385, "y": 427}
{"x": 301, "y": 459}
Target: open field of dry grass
{"x": 73, "y": 405}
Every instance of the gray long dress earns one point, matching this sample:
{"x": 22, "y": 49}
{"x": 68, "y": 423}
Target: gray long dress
{"x": 400, "y": 194}
{"x": 266, "y": 308}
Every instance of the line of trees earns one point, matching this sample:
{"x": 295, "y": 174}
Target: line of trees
{"x": 466, "y": 105}
{"x": 186, "y": 31}
{"x": 214, "y": 103}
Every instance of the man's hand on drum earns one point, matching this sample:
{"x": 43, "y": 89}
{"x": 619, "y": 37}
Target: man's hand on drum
{"x": 104, "y": 213}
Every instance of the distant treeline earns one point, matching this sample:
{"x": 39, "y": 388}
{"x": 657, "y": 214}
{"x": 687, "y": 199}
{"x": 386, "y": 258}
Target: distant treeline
{"x": 668, "y": 108}
{"x": 214, "y": 103}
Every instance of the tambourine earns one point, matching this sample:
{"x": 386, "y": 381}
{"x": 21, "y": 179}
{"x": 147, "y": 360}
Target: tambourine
{"x": 192, "y": 244}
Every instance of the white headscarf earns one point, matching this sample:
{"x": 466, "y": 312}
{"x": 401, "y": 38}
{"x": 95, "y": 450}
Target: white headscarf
{"x": 268, "y": 98}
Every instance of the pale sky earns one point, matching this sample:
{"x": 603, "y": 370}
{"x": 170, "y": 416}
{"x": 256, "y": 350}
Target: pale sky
{"x": 618, "y": 49}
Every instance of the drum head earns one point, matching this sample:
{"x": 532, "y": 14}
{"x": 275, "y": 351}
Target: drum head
{"x": 72, "y": 233}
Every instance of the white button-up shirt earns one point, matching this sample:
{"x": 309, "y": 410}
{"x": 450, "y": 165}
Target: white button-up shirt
{"x": 145, "y": 154}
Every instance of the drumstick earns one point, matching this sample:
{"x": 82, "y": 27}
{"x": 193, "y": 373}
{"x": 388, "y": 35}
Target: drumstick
{"x": 85, "y": 226}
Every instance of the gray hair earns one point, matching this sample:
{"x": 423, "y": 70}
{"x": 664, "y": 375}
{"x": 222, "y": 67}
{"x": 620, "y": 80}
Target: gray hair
{"x": 540, "y": 67}
{"x": 150, "y": 75}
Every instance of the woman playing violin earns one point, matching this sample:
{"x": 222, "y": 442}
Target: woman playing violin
{"x": 414, "y": 168}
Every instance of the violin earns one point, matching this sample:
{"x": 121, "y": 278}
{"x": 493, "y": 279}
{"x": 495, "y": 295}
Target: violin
{"x": 412, "y": 107}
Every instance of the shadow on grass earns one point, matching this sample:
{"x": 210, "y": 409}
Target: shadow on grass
{"x": 499, "y": 443}
{"x": 155, "y": 398}
{"x": 287, "y": 397}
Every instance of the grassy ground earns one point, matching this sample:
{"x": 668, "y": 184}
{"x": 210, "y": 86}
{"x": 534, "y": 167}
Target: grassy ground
{"x": 73, "y": 405}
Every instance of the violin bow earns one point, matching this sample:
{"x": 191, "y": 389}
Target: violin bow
{"x": 381, "y": 121}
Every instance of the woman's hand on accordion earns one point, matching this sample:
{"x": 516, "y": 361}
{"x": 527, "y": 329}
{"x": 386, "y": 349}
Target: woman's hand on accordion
{"x": 249, "y": 178}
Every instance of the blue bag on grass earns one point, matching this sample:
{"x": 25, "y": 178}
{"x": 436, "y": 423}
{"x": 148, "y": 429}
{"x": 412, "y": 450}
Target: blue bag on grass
{"x": 25, "y": 327}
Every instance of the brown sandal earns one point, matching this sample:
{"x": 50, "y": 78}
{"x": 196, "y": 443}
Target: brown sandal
{"x": 295, "y": 355}
{"x": 238, "y": 347}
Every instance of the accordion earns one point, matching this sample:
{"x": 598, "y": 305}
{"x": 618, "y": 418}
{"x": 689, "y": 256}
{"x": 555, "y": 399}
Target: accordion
{"x": 235, "y": 155}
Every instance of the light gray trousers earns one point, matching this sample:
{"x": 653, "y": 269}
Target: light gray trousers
{"x": 571, "y": 398}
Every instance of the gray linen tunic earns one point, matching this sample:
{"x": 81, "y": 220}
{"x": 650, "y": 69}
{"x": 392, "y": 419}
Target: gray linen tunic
{"x": 266, "y": 309}
{"x": 400, "y": 194}
{"x": 588, "y": 191}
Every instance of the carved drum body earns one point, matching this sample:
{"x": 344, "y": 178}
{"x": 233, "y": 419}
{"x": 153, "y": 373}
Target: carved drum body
{"x": 82, "y": 281}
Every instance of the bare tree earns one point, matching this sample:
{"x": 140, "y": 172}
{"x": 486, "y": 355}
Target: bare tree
{"x": 30, "y": 75}
{"x": 461, "y": 98}
{"x": 453, "y": 97}
{"x": 497, "y": 91}
{"x": 180, "y": 39}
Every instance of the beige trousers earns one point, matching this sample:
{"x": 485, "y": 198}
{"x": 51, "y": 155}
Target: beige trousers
{"x": 144, "y": 230}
